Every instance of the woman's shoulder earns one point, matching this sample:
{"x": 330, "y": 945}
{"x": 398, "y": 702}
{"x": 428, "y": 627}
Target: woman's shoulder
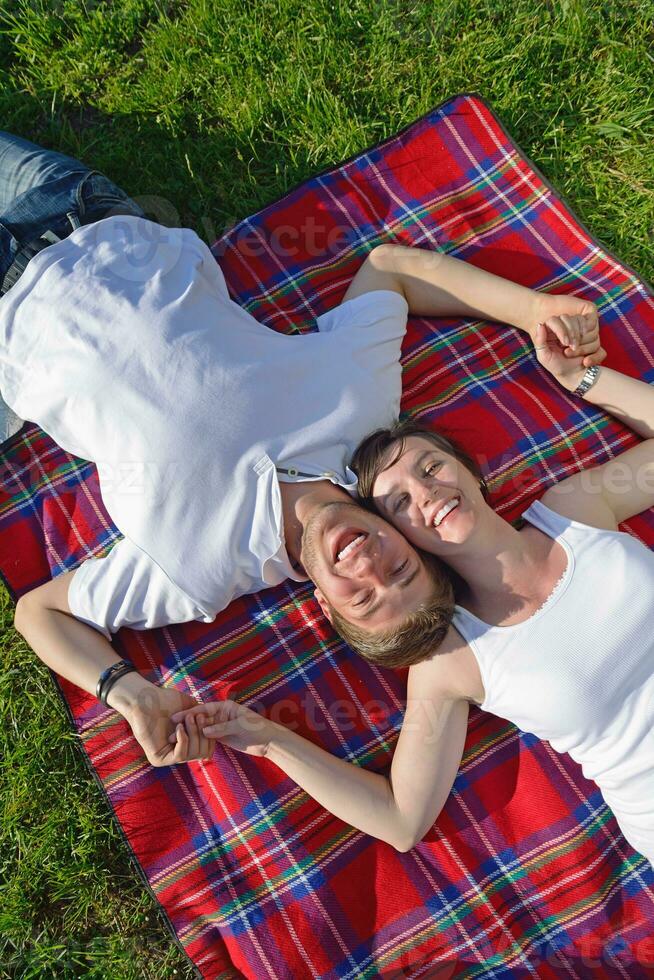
{"x": 579, "y": 499}
{"x": 448, "y": 672}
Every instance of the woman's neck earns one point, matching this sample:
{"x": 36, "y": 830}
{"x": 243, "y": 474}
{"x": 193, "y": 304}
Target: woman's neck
{"x": 500, "y": 561}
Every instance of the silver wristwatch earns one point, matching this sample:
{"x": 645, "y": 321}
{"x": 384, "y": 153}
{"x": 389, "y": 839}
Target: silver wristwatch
{"x": 588, "y": 380}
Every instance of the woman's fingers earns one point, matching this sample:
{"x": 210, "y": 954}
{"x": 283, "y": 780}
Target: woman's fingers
{"x": 198, "y": 728}
{"x": 205, "y": 746}
{"x": 204, "y": 707}
{"x": 181, "y": 715}
{"x": 187, "y": 732}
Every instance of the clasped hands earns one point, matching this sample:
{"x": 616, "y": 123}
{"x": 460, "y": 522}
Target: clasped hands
{"x": 565, "y": 333}
{"x": 196, "y": 726}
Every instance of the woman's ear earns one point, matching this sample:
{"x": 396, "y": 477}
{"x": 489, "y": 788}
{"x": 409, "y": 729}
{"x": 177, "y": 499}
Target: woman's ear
{"x": 324, "y": 605}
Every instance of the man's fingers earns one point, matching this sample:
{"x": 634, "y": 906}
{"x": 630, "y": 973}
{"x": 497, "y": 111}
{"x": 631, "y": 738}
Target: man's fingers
{"x": 192, "y": 734}
{"x": 216, "y": 730}
{"x": 592, "y": 337}
{"x": 560, "y": 330}
{"x": 206, "y": 744}
{"x": 196, "y": 738}
{"x": 584, "y": 348}
{"x": 574, "y": 329}
{"x": 574, "y": 335}
{"x": 596, "y": 358}
{"x": 204, "y": 747}
{"x": 554, "y": 325}
{"x": 181, "y": 748}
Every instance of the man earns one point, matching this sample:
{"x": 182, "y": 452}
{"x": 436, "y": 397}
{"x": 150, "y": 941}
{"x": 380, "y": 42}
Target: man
{"x": 221, "y": 445}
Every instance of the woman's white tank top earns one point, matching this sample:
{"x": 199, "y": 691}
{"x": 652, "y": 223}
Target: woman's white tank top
{"x": 580, "y": 671}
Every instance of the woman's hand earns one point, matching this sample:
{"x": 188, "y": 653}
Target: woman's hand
{"x": 151, "y": 722}
{"x": 231, "y": 723}
{"x": 575, "y": 324}
{"x": 568, "y": 370}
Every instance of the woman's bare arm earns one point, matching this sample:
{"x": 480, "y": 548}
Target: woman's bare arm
{"x": 428, "y": 755}
{"x": 624, "y": 485}
{"x": 628, "y": 399}
{"x": 398, "y": 809}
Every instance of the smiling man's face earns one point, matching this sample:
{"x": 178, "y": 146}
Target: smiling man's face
{"x": 362, "y": 566}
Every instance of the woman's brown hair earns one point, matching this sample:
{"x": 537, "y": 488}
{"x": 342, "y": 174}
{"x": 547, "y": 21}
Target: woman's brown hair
{"x": 372, "y": 456}
{"x": 383, "y": 447}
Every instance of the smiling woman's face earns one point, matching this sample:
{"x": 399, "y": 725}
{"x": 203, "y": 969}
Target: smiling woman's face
{"x": 429, "y": 496}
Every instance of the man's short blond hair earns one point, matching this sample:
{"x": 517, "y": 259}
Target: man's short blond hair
{"x": 418, "y": 636}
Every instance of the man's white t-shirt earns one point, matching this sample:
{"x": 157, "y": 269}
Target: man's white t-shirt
{"x": 121, "y": 342}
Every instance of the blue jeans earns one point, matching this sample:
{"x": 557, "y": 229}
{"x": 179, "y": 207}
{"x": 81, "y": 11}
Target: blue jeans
{"x": 41, "y": 190}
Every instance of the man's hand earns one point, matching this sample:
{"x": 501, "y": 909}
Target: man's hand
{"x": 151, "y": 722}
{"x": 80, "y": 653}
{"x": 574, "y": 322}
{"x": 232, "y": 724}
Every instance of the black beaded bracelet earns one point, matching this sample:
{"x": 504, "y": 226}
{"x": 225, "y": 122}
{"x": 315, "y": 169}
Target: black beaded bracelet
{"x": 108, "y": 684}
{"x": 111, "y": 681}
{"x": 109, "y": 677}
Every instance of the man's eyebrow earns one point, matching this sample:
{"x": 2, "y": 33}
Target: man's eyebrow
{"x": 403, "y": 585}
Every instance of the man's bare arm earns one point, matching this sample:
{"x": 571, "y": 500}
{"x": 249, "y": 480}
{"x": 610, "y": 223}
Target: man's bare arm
{"x": 435, "y": 284}
{"x": 80, "y": 653}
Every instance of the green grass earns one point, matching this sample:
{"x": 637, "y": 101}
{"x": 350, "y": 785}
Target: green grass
{"x": 216, "y": 109}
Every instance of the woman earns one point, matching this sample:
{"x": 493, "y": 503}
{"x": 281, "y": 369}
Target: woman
{"x": 553, "y": 627}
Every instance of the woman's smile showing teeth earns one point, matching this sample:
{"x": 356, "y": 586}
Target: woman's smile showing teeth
{"x": 445, "y": 510}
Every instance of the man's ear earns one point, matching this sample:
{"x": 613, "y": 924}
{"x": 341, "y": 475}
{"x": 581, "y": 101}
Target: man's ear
{"x": 324, "y": 605}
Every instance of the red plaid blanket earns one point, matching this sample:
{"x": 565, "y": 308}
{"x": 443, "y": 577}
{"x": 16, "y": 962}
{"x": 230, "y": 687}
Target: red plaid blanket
{"x": 525, "y": 871}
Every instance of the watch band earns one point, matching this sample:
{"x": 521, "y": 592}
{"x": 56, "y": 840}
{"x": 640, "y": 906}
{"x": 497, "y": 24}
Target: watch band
{"x": 588, "y": 380}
